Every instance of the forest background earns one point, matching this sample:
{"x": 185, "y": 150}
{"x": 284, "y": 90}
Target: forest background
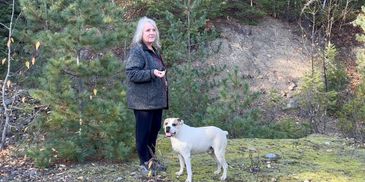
{"x": 63, "y": 82}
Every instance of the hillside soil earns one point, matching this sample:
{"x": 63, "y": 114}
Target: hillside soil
{"x": 270, "y": 55}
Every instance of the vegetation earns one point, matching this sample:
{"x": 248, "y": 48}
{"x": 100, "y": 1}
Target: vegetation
{"x": 352, "y": 114}
{"x": 312, "y": 158}
{"x": 79, "y": 81}
{"x": 76, "y": 76}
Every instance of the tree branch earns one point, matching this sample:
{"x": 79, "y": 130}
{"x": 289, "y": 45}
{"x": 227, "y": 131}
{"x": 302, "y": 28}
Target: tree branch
{"x": 16, "y": 20}
{"x": 4, "y": 26}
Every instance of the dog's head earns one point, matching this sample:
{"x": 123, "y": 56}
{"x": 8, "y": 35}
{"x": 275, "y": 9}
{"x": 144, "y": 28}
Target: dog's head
{"x": 172, "y": 125}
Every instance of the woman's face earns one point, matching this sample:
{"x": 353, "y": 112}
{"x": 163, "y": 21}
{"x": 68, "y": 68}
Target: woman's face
{"x": 149, "y": 34}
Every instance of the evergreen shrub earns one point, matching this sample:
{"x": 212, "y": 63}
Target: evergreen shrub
{"x": 352, "y": 115}
{"x": 232, "y": 109}
{"x": 290, "y": 128}
{"x": 190, "y": 89}
{"x": 5, "y": 16}
{"x": 80, "y": 80}
{"x": 337, "y": 78}
{"x": 243, "y": 12}
{"x": 315, "y": 101}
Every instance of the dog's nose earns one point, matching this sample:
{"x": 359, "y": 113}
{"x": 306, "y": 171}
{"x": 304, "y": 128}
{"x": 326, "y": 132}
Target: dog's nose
{"x": 168, "y": 129}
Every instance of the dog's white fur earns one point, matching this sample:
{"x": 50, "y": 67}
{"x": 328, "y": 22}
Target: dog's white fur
{"x": 186, "y": 140}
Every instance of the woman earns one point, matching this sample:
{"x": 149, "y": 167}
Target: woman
{"x": 147, "y": 88}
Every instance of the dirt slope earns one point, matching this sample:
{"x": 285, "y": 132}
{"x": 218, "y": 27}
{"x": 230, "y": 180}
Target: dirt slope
{"x": 270, "y": 54}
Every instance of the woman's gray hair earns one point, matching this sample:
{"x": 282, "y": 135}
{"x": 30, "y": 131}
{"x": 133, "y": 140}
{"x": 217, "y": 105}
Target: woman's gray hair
{"x": 137, "y": 38}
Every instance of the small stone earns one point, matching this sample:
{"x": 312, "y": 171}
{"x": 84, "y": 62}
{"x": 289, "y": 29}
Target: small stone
{"x": 252, "y": 149}
{"x": 272, "y": 156}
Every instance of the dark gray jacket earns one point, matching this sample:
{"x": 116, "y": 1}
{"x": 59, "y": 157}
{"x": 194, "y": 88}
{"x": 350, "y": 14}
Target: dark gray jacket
{"x": 145, "y": 90}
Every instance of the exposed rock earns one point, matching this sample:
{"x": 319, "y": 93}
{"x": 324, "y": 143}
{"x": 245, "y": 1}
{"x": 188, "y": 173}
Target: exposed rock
{"x": 292, "y": 104}
{"x": 292, "y": 86}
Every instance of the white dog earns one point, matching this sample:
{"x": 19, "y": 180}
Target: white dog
{"x": 186, "y": 140}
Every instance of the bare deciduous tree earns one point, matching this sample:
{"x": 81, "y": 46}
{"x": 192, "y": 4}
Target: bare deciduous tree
{"x": 7, "y": 82}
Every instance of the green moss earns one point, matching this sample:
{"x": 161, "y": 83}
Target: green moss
{"x": 314, "y": 158}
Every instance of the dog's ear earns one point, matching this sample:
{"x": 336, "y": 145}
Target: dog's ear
{"x": 180, "y": 121}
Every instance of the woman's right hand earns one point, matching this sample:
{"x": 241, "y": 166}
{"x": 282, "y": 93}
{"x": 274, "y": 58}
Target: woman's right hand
{"x": 158, "y": 73}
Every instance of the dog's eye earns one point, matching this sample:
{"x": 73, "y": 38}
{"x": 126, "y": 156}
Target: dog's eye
{"x": 173, "y": 124}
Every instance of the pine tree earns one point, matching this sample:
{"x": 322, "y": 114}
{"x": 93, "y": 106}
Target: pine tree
{"x": 81, "y": 79}
{"x": 5, "y": 16}
{"x": 352, "y": 115}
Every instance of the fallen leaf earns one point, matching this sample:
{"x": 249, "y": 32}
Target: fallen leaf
{"x": 95, "y": 91}
{"x": 9, "y": 42}
{"x": 8, "y": 83}
{"x": 27, "y": 64}
{"x": 37, "y": 45}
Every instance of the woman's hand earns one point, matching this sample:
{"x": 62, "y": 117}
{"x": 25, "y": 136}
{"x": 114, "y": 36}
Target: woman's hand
{"x": 158, "y": 73}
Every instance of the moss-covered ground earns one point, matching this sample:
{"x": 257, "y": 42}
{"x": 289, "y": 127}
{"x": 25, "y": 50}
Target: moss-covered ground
{"x": 315, "y": 158}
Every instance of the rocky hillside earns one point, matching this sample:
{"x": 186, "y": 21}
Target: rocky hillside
{"x": 270, "y": 55}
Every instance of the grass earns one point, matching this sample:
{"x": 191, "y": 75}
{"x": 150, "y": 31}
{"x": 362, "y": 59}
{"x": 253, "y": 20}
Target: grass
{"x": 314, "y": 158}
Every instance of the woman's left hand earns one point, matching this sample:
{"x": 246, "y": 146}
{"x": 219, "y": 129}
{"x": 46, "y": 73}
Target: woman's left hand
{"x": 158, "y": 73}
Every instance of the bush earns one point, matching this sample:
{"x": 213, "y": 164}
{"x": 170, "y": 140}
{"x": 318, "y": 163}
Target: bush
{"x": 80, "y": 81}
{"x": 337, "y": 79}
{"x": 243, "y": 12}
{"x": 42, "y": 157}
{"x": 352, "y": 115}
{"x": 289, "y": 128}
{"x": 231, "y": 109}
{"x": 284, "y": 9}
{"x": 315, "y": 102}
{"x": 5, "y": 16}
{"x": 190, "y": 89}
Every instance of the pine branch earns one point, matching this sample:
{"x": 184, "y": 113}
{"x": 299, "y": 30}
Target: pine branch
{"x": 70, "y": 73}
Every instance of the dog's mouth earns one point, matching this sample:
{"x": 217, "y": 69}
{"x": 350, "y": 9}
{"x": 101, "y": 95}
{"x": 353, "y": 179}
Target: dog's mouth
{"x": 168, "y": 134}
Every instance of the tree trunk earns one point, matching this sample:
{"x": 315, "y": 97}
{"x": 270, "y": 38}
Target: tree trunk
{"x": 7, "y": 82}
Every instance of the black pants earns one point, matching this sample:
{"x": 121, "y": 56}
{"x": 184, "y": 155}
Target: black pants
{"x": 148, "y": 124}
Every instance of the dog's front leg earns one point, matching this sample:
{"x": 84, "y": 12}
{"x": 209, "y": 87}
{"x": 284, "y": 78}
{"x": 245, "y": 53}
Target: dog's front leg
{"x": 182, "y": 164}
{"x": 188, "y": 167}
